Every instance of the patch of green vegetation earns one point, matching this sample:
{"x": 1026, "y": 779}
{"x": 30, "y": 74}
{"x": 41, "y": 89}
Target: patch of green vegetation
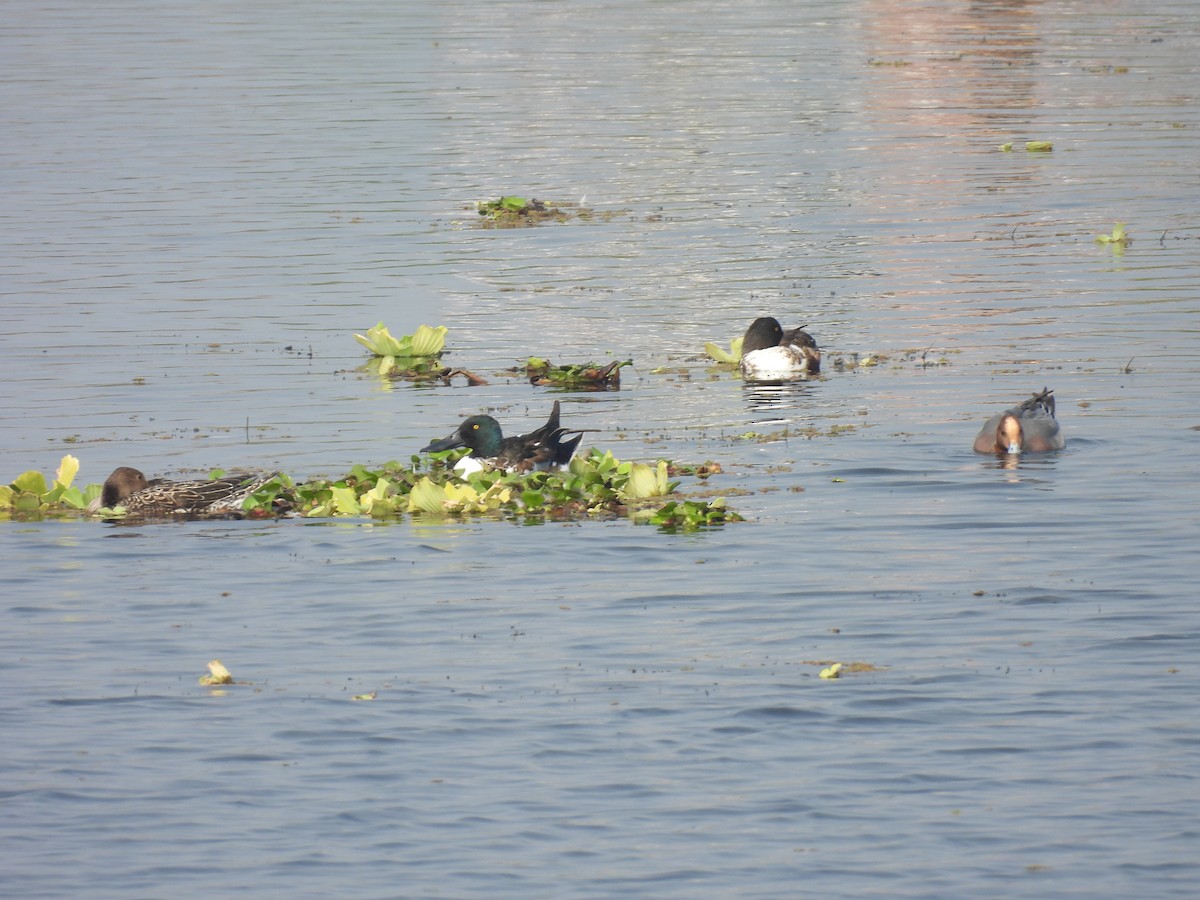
{"x": 517, "y": 212}
{"x": 587, "y": 376}
{"x": 730, "y": 357}
{"x": 29, "y": 496}
{"x": 595, "y": 485}
{"x": 413, "y": 355}
{"x": 1119, "y": 237}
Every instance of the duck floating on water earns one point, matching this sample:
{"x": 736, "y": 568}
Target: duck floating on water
{"x": 537, "y": 451}
{"x": 1027, "y": 428}
{"x": 771, "y": 354}
{"x": 128, "y": 488}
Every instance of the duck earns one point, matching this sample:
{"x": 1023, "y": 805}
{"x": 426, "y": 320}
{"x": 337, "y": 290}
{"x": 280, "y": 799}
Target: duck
{"x": 1029, "y": 427}
{"x": 128, "y": 488}
{"x": 771, "y": 354}
{"x": 538, "y": 450}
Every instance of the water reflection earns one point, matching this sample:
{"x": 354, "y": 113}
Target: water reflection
{"x": 776, "y": 396}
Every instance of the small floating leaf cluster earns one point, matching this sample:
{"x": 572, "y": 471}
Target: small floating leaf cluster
{"x": 596, "y": 485}
{"x": 1118, "y": 237}
{"x": 416, "y": 353}
{"x": 29, "y": 494}
{"x": 515, "y": 212}
{"x": 588, "y": 376}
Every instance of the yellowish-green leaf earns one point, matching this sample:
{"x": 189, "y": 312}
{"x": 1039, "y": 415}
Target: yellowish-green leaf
{"x": 68, "y": 468}
{"x": 428, "y": 341}
{"x": 834, "y": 671}
{"x": 1006, "y": 148}
{"x": 645, "y": 481}
{"x": 32, "y": 482}
{"x": 345, "y": 503}
{"x": 426, "y": 497}
{"x": 1039, "y": 146}
{"x": 365, "y": 341}
{"x": 715, "y": 352}
{"x": 459, "y": 496}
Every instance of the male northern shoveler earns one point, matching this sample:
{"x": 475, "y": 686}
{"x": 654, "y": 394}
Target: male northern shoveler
{"x": 1027, "y": 428}
{"x": 128, "y": 488}
{"x": 771, "y": 354}
{"x": 538, "y": 450}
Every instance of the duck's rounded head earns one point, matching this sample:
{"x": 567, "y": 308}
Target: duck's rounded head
{"x": 765, "y": 331}
{"x": 1009, "y": 436}
{"x": 123, "y": 482}
{"x": 481, "y": 434}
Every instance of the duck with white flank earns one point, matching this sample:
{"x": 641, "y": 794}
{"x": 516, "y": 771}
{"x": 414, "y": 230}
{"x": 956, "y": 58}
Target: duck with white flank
{"x": 537, "y": 451}
{"x": 771, "y": 354}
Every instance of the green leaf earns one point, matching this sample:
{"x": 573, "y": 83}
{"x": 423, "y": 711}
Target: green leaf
{"x": 715, "y": 352}
{"x": 68, "y": 468}
{"x": 31, "y": 482}
{"x": 645, "y": 481}
{"x": 426, "y": 497}
{"x": 428, "y": 341}
{"x": 345, "y": 503}
{"x": 1039, "y": 146}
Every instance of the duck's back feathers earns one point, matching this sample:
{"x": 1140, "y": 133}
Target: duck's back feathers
{"x": 1029, "y": 427}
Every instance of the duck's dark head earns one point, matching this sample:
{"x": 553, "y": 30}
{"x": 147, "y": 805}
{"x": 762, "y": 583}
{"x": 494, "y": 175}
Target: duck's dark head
{"x": 763, "y": 332}
{"x": 481, "y": 433}
{"x": 123, "y": 482}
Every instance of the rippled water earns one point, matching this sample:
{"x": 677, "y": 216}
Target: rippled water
{"x": 203, "y": 202}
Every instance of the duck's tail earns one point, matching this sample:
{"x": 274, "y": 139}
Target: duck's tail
{"x": 1044, "y": 401}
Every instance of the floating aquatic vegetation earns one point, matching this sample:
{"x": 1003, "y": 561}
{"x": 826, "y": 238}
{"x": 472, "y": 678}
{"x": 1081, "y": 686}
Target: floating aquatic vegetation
{"x": 1030, "y": 146}
{"x": 517, "y": 212}
{"x": 595, "y": 485}
{"x": 218, "y": 674}
{"x": 587, "y": 376}
{"x": 730, "y": 357}
{"x": 29, "y": 494}
{"x": 415, "y": 355}
{"x": 1117, "y": 238}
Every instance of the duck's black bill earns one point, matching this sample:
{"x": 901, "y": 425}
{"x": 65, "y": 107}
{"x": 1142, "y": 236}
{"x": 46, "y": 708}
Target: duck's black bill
{"x": 446, "y": 443}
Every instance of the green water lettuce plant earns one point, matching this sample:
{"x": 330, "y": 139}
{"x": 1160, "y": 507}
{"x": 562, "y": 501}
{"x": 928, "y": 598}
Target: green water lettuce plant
{"x": 417, "y": 352}
{"x": 593, "y": 485}
{"x": 1118, "y": 237}
{"x": 730, "y": 357}
{"x": 29, "y": 492}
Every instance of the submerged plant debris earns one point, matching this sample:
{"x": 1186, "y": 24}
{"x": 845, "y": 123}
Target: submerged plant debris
{"x": 593, "y": 486}
{"x": 588, "y": 376}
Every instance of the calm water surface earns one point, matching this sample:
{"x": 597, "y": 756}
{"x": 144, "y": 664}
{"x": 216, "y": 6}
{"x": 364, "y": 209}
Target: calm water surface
{"x": 204, "y": 202}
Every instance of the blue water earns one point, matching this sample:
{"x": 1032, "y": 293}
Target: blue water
{"x": 203, "y": 203}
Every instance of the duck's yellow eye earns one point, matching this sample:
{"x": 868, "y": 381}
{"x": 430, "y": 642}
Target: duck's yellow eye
{"x": 475, "y": 427}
